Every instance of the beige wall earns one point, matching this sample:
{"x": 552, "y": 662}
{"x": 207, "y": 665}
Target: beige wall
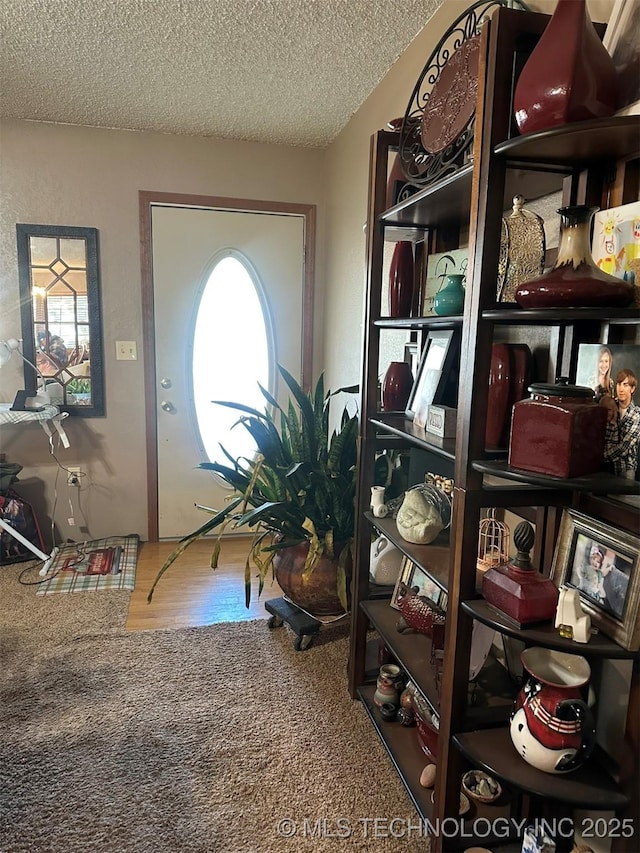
{"x": 53, "y": 174}
{"x": 62, "y": 175}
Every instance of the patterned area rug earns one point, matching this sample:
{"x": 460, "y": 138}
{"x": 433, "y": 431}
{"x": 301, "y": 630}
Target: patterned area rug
{"x": 98, "y": 565}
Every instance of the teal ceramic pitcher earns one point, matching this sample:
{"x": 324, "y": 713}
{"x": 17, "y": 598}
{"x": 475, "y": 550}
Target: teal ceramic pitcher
{"x": 449, "y": 300}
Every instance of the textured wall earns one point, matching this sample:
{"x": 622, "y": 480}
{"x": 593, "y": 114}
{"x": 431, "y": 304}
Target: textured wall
{"x": 54, "y": 174}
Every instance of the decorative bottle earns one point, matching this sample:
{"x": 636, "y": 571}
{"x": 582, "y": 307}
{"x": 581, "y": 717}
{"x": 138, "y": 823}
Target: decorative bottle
{"x": 569, "y": 76}
{"x": 575, "y": 281}
{"x": 401, "y": 280}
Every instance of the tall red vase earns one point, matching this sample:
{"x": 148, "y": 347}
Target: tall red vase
{"x": 499, "y": 390}
{"x": 401, "y": 280}
{"x": 396, "y": 387}
{"x": 569, "y": 76}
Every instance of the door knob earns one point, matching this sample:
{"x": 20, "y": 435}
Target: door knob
{"x": 166, "y": 383}
{"x": 167, "y": 406}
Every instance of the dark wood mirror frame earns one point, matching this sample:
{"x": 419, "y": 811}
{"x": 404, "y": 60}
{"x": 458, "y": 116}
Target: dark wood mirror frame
{"x": 73, "y": 362}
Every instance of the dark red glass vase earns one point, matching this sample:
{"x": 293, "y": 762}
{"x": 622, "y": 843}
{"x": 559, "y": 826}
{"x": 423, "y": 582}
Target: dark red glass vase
{"x": 569, "y": 76}
{"x": 401, "y": 280}
{"x": 396, "y": 387}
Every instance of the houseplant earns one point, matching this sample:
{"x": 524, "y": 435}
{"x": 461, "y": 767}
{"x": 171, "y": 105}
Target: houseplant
{"x": 297, "y": 492}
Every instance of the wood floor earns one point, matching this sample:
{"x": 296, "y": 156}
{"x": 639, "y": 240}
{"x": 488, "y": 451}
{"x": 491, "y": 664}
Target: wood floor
{"x": 191, "y": 593}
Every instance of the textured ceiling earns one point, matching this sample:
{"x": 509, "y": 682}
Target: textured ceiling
{"x": 282, "y": 71}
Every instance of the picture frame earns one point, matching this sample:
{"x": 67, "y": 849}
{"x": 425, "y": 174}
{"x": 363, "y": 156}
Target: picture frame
{"x": 608, "y": 584}
{"x": 436, "y": 380}
{"x": 412, "y": 575}
{"x": 615, "y": 246}
{"x": 439, "y": 266}
{"x": 621, "y": 42}
{"x": 622, "y": 355}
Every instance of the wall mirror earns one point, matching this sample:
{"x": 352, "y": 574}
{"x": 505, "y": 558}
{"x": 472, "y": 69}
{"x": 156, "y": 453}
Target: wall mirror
{"x": 61, "y": 317}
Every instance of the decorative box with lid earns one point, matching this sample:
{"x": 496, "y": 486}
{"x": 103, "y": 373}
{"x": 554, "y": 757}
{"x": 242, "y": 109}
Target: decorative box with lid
{"x": 558, "y": 431}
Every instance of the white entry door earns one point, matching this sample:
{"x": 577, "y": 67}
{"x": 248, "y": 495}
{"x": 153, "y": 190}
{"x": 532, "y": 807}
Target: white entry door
{"x": 185, "y": 245}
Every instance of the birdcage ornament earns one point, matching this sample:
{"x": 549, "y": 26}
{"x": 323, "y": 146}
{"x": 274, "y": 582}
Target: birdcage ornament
{"x": 493, "y": 542}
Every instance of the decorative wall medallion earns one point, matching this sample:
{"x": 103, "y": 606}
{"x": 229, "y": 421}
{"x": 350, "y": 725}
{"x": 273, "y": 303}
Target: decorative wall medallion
{"x": 437, "y": 131}
{"x": 452, "y": 102}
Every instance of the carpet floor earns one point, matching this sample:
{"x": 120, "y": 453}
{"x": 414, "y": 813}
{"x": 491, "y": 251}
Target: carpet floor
{"x": 201, "y": 739}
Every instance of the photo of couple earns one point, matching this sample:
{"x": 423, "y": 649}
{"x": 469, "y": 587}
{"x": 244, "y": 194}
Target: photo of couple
{"x": 612, "y": 372}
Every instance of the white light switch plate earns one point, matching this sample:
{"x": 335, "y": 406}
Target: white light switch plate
{"x": 126, "y": 351}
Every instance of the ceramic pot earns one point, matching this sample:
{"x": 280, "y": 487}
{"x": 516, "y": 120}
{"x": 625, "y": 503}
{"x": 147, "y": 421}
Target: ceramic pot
{"x": 317, "y": 593}
{"x": 449, "y": 300}
{"x": 575, "y": 281}
{"x": 385, "y": 562}
{"x": 387, "y": 685}
{"x": 558, "y": 431}
{"x": 569, "y": 76}
{"x": 396, "y": 387}
{"x": 551, "y": 726}
{"x": 401, "y": 280}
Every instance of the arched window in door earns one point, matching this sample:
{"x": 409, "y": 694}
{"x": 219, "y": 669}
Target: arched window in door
{"x": 233, "y": 351}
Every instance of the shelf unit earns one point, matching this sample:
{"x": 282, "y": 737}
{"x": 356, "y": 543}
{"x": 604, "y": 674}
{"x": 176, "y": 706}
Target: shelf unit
{"x": 592, "y": 163}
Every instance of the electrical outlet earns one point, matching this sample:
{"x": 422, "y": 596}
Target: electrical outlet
{"x": 73, "y": 475}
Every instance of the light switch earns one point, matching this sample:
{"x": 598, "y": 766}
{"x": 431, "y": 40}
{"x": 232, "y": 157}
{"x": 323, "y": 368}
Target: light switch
{"x": 126, "y": 351}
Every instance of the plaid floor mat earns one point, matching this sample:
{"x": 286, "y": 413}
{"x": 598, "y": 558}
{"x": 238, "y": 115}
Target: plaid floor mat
{"x": 96, "y": 565}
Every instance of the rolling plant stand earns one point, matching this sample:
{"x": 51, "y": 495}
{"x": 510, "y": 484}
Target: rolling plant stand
{"x": 304, "y": 626}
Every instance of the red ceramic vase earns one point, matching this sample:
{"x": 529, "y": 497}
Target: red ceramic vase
{"x": 396, "y": 387}
{"x": 575, "y": 281}
{"x": 499, "y": 390}
{"x": 401, "y": 280}
{"x": 569, "y": 76}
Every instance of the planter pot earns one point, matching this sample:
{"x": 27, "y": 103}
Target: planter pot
{"x": 316, "y": 594}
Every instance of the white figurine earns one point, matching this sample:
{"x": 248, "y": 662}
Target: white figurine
{"x": 571, "y": 620}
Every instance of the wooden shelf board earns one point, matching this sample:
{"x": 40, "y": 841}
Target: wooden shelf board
{"x": 433, "y": 558}
{"x": 414, "y": 650}
{"x": 558, "y": 316}
{"x": 544, "y": 634}
{"x": 398, "y": 424}
{"x": 402, "y": 746}
{"x": 598, "y": 483}
{"x": 430, "y": 322}
{"x": 590, "y": 786}
{"x": 575, "y": 144}
{"x": 453, "y": 195}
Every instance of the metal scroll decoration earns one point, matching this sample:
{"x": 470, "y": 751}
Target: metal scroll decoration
{"x": 437, "y": 130}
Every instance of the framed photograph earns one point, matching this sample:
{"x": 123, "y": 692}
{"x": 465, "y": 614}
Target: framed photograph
{"x": 616, "y": 242}
{"x": 621, "y": 41}
{"x": 414, "y": 576}
{"x": 603, "y": 564}
{"x": 439, "y": 266}
{"x": 437, "y": 380}
{"x": 598, "y": 365}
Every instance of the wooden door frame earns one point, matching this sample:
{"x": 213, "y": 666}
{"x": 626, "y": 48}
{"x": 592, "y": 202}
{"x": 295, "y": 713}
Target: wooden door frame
{"x": 147, "y": 199}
